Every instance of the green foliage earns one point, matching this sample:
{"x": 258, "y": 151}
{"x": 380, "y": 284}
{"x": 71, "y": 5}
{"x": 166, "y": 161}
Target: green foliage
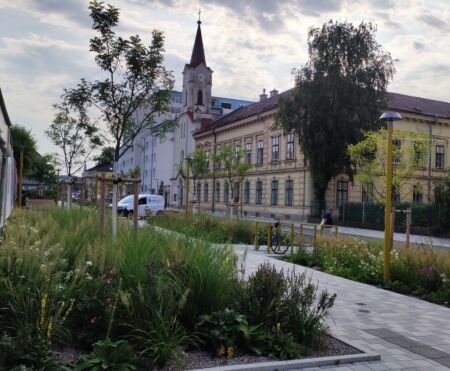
{"x": 343, "y": 86}
{"x": 225, "y": 332}
{"x": 208, "y": 228}
{"x": 135, "y": 79}
{"x": 282, "y": 301}
{"x": 420, "y": 271}
{"x": 370, "y": 155}
{"x": 442, "y": 198}
{"x": 23, "y": 139}
{"x": 74, "y": 134}
{"x": 106, "y": 157}
{"x": 44, "y": 169}
{"x": 108, "y": 355}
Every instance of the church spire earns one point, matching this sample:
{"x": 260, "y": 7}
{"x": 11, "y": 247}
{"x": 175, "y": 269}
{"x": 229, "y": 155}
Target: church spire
{"x": 198, "y": 53}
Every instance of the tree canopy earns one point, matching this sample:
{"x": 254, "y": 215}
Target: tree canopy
{"x": 410, "y": 151}
{"x": 136, "y": 85}
{"x": 106, "y": 156}
{"x": 339, "y": 95}
{"x": 22, "y": 139}
{"x": 75, "y": 135}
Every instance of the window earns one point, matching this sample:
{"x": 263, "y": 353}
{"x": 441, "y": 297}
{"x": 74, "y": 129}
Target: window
{"x": 258, "y": 193}
{"x": 217, "y": 190}
{"x": 417, "y": 194}
{"x": 205, "y": 192}
{"x": 342, "y": 192}
{"x": 289, "y": 194}
{"x": 275, "y": 148}
{"x": 246, "y": 192}
{"x": 248, "y": 153}
{"x": 200, "y": 98}
{"x": 290, "y": 146}
{"x": 142, "y": 201}
{"x": 216, "y": 160}
{"x": 440, "y": 157}
{"x": 225, "y": 192}
{"x": 260, "y": 152}
{"x": 395, "y": 194}
{"x": 419, "y": 158}
{"x": 207, "y": 159}
{"x": 237, "y": 152}
{"x": 274, "y": 193}
{"x": 365, "y": 194}
{"x": 226, "y": 105}
{"x": 397, "y": 147}
{"x": 199, "y": 191}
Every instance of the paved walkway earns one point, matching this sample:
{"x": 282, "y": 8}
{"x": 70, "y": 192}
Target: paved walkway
{"x": 360, "y": 307}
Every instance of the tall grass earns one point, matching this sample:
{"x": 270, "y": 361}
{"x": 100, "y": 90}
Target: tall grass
{"x": 208, "y": 228}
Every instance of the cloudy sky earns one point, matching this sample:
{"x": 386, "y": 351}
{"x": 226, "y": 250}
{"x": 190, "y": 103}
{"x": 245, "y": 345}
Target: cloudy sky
{"x": 250, "y": 45}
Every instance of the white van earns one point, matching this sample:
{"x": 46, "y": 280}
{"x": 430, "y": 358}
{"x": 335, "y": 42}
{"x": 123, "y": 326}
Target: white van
{"x": 151, "y": 203}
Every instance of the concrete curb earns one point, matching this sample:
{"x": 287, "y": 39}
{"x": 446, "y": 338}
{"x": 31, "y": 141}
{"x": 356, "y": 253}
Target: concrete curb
{"x": 299, "y": 363}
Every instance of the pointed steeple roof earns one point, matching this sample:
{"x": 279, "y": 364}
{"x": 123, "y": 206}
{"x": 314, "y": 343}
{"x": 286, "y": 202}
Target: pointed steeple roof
{"x": 198, "y": 53}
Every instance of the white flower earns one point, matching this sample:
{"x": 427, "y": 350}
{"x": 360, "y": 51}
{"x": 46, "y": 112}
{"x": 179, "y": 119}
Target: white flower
{"x": 32, "y": 229}
{"x": 59, "y": 287}
{"x": 89, "y": 263}
{"x": 89, "y": 277}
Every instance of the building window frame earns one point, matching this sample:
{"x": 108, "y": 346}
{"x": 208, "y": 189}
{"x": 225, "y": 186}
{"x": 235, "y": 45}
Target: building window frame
{"x": 217, "y": 194}
{"x": 289, "y": 193}
{"x": 246, "y": 192}
{"x": 276, "y": 148}
{"x": 260, "y": 152}
{"x": 290, "y": 146}
{"x": 417, "y": 195}
{"x": 248, "y": 153}
{"x": 258, "y": 192}
{"x": 440, "y": 156}
{"x": 341, "y": 192}
{"x": 206, "y": 192}
{"x": 274, "y": 192}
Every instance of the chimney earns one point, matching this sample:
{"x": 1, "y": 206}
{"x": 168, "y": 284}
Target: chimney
{"x": 263, "y": 95}
{"x": 273, "y": 92}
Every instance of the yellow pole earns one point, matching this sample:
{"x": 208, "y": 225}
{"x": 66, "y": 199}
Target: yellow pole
{"x": 19, "y": 198}
{"x": 300, "y": 241}
{"x": 292, "y": 238}
{"x": 388, "y": 205}
{"x": 256, "y": 236}
{"x": 315, "y": 236}
{"x": 187, "y": 187}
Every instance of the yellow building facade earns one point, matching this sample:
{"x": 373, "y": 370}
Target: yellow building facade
{"x": 279, "y": 182}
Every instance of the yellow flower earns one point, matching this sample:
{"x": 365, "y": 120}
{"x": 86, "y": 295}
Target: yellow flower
{"x": 220, "y": 351}
{"x": 230, "y": 352}
{"x": 49, "y": 328}
{"x": 278, "y": 327}
{"x": 43, "y": 306}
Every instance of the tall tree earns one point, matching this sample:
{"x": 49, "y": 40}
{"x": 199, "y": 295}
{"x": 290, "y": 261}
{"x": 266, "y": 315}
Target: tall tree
{"x": 44, "y": 169}
{"x": 199, "y": 171}
{"x": 339, "y": 94}
{"x": 22, "y": 139}
{"x": 106, "y": 156}
{"x": 370, "y": 154}
{"x": 136, "y": 85}
{"x": 75, "y": 135}
{"x": 233, "y": 166}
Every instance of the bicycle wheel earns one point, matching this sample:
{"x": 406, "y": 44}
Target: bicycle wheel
{"x": 278, "y": 244}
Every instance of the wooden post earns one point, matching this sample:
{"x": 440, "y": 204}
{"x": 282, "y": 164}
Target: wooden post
{"x": 20, "y": 183}
{"x": 292, "y": 238}
{"x": 135, "y": 206}
{"x": 315, "y": 236}
{"x": 392, "y": 228}
{"x": 82, "y": 195}
{"x": 408, "y": 226}
{"x": 63, "y": 195}
{"x": 269, "y": 235}
{"x": 256, "y": 236}
{"x": 102, "y": 207}
{"x": 69, "y": 196}
{"x": 114, "y": 209}
{"x": 300, "y": 239}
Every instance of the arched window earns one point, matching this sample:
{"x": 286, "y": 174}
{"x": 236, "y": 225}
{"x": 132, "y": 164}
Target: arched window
{"x": 200, "y": 97}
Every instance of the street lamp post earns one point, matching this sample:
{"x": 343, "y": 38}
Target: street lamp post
{"x": 188, "y": 162}
{"x": 389, "y": 118}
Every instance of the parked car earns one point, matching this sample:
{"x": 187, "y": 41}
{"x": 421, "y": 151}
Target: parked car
{"x": 153, "y": 204}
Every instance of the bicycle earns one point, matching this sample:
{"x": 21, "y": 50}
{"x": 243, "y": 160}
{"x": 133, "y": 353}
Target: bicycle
{"x": 279, "y": 243}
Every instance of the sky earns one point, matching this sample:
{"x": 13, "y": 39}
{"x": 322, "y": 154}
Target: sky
{"x": 249, "y": 44}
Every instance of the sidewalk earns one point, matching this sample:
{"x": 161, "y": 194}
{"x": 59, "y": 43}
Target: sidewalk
{"x": 360, "y": 307}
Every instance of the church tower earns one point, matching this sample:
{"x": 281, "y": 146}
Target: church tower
{"x": 197, "y": 80}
